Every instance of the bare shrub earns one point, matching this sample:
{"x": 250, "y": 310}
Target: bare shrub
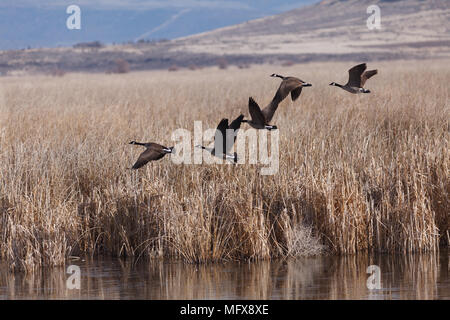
{"x": 193, "y": 67}
{"x": 173, "y": 68}
{"x": 288, "y": 63}
{"x": 89, "y": 45}
{"x": 121, "y": 66}
{"x": 302, "y": 242}
{"x": 222, "y": 63}
{"x": 57, "y": 72}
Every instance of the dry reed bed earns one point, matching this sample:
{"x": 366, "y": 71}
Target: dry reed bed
{"x": 367, "y": 172}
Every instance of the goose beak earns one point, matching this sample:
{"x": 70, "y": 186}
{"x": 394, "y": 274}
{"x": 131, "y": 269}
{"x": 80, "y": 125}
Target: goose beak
{"x": 307, "y": 85}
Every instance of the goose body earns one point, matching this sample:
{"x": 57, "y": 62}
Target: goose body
{"x": 152, "y": 152}
{"x": 289, "y": 85}
{"x": 224, "y": 139}
{"x": 259, "y": 118}
{"x": 357, "y": 77}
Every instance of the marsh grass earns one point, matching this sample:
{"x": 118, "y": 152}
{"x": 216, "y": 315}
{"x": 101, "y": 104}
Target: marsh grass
{"x": 368, "y": 172}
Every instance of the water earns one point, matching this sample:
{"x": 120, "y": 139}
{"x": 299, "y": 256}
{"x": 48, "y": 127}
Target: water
{"x": 402, "y": 277}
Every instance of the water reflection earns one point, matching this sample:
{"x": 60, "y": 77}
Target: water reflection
{"x": 402, "y": 277}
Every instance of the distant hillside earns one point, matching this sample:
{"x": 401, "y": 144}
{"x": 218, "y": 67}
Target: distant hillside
{"x": 329, "y": 30}
{"x": 410, "y": 28}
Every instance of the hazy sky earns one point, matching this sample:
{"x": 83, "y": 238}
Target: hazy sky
{"x": 42, "y": 23}
{"x": 156, "y": 4}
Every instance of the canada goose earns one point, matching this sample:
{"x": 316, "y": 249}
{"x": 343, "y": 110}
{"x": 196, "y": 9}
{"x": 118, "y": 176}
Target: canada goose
{"x": 225, "y": 138}
{"x": 290, "y": 85}
{"x": 356, "y": 79}
{"x": 153, "y": 152}
{"x": 260, "y": 118}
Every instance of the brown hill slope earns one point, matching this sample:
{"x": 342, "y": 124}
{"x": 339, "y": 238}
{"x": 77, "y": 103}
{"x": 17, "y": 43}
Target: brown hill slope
{"x": 336, "y": 27}
{"x": 329, "y": 30}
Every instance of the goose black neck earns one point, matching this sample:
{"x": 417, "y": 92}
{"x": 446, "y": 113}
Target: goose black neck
{"x": 277, "y": 99}
{"x": 137, "y": 143}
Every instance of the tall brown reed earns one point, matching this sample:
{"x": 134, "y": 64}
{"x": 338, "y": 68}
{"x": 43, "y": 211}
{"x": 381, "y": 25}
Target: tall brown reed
{"x": 368, "y": 172}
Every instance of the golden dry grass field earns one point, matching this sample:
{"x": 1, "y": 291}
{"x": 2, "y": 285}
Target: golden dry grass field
{"x": 357, "y": 172}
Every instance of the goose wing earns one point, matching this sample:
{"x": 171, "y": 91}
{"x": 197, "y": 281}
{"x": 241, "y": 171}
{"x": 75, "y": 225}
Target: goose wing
{"x": 235, "y": 125}
{"x": 149, "y": 154}
{"x": 255, "y": 112}
{"x": 282, "y": 92}
{"x": 155, "y": 146}
{"x": 286, "y": 86}
{"x": 220, "y": 138}
{"x": 290, "y": 85}
{"x": 296, "y": 93}
{"x": 354, "y": 75}
{"x": 367, "y": 75}
{"x": 293, "y": 86}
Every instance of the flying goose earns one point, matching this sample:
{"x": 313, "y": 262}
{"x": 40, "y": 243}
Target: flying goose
{"x": 153, "y": 152}
{"x": 225, "y": 138}
{"x": 289, "y": 85}
{"x": 260, "y": 118}
{"x": 356, "y": 79}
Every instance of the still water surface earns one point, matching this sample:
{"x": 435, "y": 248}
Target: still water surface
{"x": 402, "y": 277}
